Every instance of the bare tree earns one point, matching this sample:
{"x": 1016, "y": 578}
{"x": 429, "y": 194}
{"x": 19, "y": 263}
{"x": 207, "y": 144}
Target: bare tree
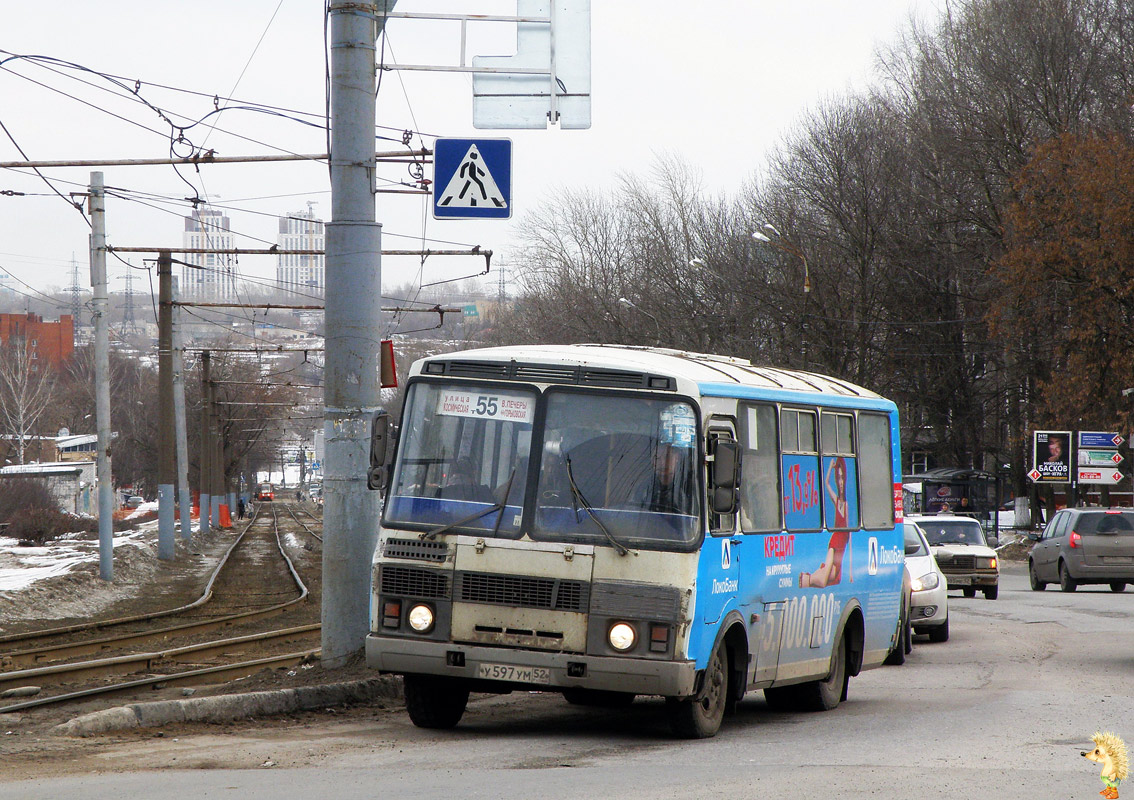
{"x": 26, "y": 386}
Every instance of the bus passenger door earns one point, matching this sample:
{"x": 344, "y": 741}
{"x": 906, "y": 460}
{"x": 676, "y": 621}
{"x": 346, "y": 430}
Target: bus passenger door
{"x": 764, "y": 632}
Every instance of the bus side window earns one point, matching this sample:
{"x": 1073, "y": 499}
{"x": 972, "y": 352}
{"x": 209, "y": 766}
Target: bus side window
{"x": 799, "y": 461}
{"x": 760, "y": 470}
{"x": 876, "y": 472}
{"x": 840, "y": 479}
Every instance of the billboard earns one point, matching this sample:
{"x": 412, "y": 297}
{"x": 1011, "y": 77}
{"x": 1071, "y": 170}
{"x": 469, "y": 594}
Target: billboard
{"x": 1051, "y": 457}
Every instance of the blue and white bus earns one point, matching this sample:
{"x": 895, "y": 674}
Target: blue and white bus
{"x": 607, "y": 522}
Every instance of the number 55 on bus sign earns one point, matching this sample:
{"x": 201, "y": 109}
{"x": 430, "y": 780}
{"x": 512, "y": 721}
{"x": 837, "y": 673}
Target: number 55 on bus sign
{"x": 497, "y": 405}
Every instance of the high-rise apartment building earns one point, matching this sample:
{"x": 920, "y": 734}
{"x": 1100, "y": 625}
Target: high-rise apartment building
{"x": 214, "y": 276}
{"x": 301, "y": 273}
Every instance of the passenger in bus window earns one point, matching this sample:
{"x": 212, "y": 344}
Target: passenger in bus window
{"x": 513, "y": 485}
{"x": 461, "y": 484}
{"x": 656, "y": 476}
{"x": 665, "y": 495}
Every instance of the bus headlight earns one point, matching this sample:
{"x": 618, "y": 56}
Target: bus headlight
{"x": 621, "y": 636}
{"x": 421, "y": 618}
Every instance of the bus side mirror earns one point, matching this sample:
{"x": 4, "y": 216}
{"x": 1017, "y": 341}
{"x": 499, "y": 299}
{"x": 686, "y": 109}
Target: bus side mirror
{"x": 377, "y": 475}
{"x": 726, "y": 475}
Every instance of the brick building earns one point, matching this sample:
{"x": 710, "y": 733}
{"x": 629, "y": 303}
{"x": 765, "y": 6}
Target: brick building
{"x": 50, "y": 343}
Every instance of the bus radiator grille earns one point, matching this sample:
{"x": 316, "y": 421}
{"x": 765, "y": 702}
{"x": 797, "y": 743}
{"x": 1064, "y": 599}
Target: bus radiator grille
{"x": 419, "y": 549}
{"x": 521, "y": 591}
{"x": 412, "y": 582}
{"x": 636, "y": 600}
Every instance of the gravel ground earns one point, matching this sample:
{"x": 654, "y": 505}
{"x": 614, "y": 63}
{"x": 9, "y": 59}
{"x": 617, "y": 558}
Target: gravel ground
{"x": 143, "y": 583}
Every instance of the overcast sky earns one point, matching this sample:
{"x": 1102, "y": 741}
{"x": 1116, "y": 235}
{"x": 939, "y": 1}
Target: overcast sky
{"x": 717, "y": 83}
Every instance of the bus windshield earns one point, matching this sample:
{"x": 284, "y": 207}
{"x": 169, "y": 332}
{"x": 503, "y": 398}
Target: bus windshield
{"x": 626, "y": 464}
{"x": 463, "y": 449}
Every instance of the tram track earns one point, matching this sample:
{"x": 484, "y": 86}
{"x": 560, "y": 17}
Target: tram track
{"x": 255, "y": 570}
{"x": 303, "y": 524}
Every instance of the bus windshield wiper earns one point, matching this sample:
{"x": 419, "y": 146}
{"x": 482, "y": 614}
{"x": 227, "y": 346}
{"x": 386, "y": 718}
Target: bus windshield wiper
{"x": 500, "y": 506}
{"x": 577, "y": 494}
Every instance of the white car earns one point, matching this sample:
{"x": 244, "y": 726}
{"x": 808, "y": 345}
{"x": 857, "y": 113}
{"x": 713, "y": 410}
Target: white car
{"x": 959, "y": 545}
{"x": 929, "y": 607}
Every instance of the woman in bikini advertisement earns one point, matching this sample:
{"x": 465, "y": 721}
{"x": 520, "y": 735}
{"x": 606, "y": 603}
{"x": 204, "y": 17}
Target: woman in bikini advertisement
{"x": 840, "y": 514}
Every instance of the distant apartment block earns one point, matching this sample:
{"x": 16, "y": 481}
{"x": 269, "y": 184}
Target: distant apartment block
{"x": 49, "y": 343}
{"x": 213, "y": 276}
{"x": 6, "y": 284}
{"x": 301, "y": 273}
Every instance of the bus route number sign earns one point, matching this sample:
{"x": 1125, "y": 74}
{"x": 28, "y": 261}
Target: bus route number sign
{"x": 496, "y": 406}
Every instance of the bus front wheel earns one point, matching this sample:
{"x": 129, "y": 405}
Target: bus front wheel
{"x": 699, "y": 716}
{"x": 434, "y": 702}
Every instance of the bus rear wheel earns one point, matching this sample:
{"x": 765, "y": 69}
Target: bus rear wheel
{"x": 434, "y": 702}
{"x": 825, "y": 695}
{"x": 699, "y": 716}
{"x": 904, "y": 644}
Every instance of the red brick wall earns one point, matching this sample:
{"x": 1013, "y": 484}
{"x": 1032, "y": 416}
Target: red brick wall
{"x": 52, "y": 342}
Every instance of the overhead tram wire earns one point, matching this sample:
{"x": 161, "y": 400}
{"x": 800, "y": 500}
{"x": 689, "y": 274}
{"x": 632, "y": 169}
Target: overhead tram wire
{"x": 77, "y": 206}
{"x": 282, "y": 110}
{"x": 177, "y": 131}
{"x": 396, "y": 320}
{"x": 166, "y": 115}
{"x": 251, "y": 56}
{"x": 239, "y": 318}
{"x": 42, "y": 298}
{"x": 176, "y": 135}
{"x": 122, "y": 193}
{"x": 180, "y": 138}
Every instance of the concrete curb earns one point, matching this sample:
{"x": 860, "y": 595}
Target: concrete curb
{"x": 226, "y": 707}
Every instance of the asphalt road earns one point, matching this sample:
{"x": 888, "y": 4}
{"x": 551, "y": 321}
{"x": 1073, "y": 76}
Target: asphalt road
{"x": 1002, "y": 709}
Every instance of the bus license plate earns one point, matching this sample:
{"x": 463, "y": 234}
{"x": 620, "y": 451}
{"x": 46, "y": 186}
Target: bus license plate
{"x": 507, "y": 672}
{"x": 966, "y": 581}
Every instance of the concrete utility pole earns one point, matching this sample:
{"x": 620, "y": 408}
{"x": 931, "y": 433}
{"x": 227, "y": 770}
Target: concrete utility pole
{"x": 353, "y": 303}
{"x": 216, "y": 465}
{"x": 102, "y": 379}
{"x": 206, "y": 457}
{"x": 185, "y": 501}
{"x": 167, "y": 454}
{"x": 218, "y": 457}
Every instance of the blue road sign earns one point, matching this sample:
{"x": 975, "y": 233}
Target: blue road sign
{"x": 472, "y": 179}
{"x": 1099, "y": 439}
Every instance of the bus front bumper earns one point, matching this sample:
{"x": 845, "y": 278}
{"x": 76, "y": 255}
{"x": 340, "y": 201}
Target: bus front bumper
{"x": 497, "y": 668}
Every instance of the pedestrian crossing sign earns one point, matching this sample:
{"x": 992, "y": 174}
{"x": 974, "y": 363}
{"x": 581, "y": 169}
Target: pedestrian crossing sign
{"x": 472, "y": 179}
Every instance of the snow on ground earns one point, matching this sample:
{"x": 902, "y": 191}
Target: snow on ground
{"x": 22, "y": 566}
{"x": 143, "y": 509}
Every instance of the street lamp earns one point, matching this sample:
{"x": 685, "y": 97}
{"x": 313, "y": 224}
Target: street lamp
{"x": 622, "y": 301}
{"x": 782, "y": 243}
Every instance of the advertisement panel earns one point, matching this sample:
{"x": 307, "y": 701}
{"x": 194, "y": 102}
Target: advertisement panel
{"x": 1051, "y": 457}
